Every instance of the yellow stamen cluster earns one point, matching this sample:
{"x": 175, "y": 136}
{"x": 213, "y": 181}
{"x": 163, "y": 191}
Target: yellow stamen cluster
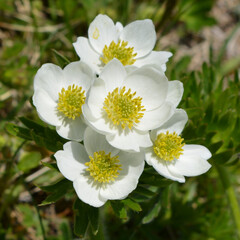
{"x": 168, "y": 146}
{"x": 122, "y": 108}
{"x": 119, "y": 51}
{"x": 70, "y": 101}
{"x": 103, "y": 168}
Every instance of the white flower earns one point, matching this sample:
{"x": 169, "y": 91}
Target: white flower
{"x": 99, "y": 171}
{"x": 59, "y": 96}
{"x": 125, "y": 106}
{"x": 170, "y": 156}
{"x": 132, "y": 45}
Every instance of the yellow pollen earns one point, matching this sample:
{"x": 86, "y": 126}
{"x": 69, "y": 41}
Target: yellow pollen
{"x": 96, "y": 34}
{"x": 119, "y": 51}
{"x": 122, "y": 108}
{"x": 103, "y": 168}
{"x": 70, "y": 101}
{"x": 168, "y": 146}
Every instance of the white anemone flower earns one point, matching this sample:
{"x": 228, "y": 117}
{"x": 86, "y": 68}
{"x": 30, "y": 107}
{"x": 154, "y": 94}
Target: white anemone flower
{"x": 99, "y": 172}
{"x": 170, "y": 157}
{"x": 59, "y": 95}
{"x": 124, "y": 106}
{"x": 132, "y": 44}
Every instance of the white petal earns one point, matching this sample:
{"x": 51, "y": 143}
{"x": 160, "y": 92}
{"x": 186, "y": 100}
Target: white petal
{"x": 119, "y": 27}
{"x": 96, "y": 98}
{"x": 49, "y": 78}
{"x": 193, "y": 162}
{"x": 161, "y": 166}
{"x": 72, "y": 129}
{"x": 150, "y": 84}
{"x": 164, "y": 67}
{"x": 132, "y": 163}
{"x": 87, "y": 54}
{"x": 120, "y": 188}
{"x": 88, "y": 192}
{"x": 193, "y": 149}
{"x": 156, "y": 58}
{"x": 175, "y": 173}
{"x": 175, "y": 124}
{"x": 101, "y": 32}
{"x": 46, "y": 107}
{"x": 130, "y": 140}
{"x": 113, "y": 75}
{"x": 155, "y": 118}
{"x": 78, "y": 73}
{"x": 101, "y": 124}
{"x": 132, "y": 168}
{"x": 141, "y": 35}
{"x": 95, "y": 142}
{"x": 71, "y": 160}
{"x": 175, "y": 92}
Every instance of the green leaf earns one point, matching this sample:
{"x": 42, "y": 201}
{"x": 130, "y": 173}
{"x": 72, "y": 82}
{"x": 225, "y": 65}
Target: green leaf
{"x": 64, "y": 183}
{"x": 62, "y": 61}
{"x": 21, "y": 132}
{"x": 119, "y": 209}
{"x": 144, "y": 191}
{"x": 234, "y": 159}
{"x": 29, "y": 161}
{"x": 32, "y": 125}
{"x": 153, "y": 213}
{"x": 215, "y": 146}
{"x": 223, "y": 157}
{"x": 66, "y": 231}
{"x": 43, "y": 136}
{"x": 81, "y": 219}
{"x": 58, "y": 190}
{"x": 154, "y": 180}
{"x": 93, "y": 216}
{"x": 52, "y": 166}
{"x": 132, "y": 204}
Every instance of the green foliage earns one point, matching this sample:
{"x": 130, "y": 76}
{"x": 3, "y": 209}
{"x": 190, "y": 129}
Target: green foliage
{"x": 29, "y": 161}
{"x": 57, "y": 190}
{"x": 85, "y": 216}
{"x": 43, "y": 136}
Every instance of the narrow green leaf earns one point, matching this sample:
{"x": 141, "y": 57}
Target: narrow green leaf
{"x": 93, "y": 216}
{"x": 62, "y": 61}
{"x": 119, "y": 209}
{"x": 132, "y": 204}
{"x": 31, "y": 124}
{"x": 154, "y": 180}
{"x": 21, "y": 132}
{"x": 223, "y": 157}
{"x": 64, "y": 183}
{"x": 52, "y": 166}
{"x": 215, "y": 146}
{"x": 47, "y": 139}
{"x": 81, "y": 218}
{"x": 66, "y": 231}
{"x": 58, "y": 190}
{"x": 153, "y": 213}
{"x": 144, "y": 191}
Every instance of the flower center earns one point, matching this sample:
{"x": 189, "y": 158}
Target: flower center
{"x": 122, "y": 108}
{"x": 119, "y": 51}
{"x": 70, "y": 101}
{"x": 102, "y": 167}
{"x": 168, "y": 146}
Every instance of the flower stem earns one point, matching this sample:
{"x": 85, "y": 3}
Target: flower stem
{"x": 232, "y": 198}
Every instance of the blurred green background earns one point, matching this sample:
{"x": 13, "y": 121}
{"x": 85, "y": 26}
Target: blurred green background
{"x": 204, "y": 37}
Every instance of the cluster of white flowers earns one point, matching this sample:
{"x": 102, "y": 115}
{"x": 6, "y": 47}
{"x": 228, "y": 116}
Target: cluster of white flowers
{"x": 118, "y": 101}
